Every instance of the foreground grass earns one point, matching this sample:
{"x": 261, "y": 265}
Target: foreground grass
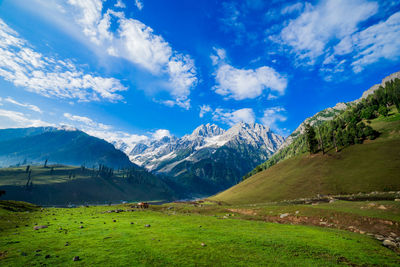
{"x": 174, "y": 238}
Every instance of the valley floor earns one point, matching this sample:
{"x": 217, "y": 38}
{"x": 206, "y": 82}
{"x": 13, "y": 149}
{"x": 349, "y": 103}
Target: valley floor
{"x": 201, "y": 234}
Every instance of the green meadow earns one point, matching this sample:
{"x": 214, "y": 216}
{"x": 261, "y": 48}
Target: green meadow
{"x": 182, "y": 234}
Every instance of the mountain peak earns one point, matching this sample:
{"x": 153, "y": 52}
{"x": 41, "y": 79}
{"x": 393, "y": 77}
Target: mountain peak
{"x": 208, "y": 130}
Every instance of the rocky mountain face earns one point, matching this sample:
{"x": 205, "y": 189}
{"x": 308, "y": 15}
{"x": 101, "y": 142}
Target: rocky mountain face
{"x": 209, "y": 159}
{"x": 330, "y": 113}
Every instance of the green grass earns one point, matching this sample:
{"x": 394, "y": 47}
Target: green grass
{"x": 175, "y": 238}
{"x": 372, "y": 166}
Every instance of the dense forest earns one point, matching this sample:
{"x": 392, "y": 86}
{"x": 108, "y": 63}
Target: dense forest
{"x": 348, "y": 128}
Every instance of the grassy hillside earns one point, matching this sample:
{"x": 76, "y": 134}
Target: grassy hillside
{"x": 371, "y": 166}
{"x": 62, "y": 185}
{"x": 178, "y": 235}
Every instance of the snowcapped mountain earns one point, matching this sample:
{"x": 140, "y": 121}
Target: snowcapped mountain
{"x": 210, "y": 158}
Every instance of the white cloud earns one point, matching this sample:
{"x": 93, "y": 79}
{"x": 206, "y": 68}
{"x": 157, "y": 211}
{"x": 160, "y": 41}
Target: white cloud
{"x": 272, "y": 116}
{"x": 139, "y": 4}
{"x": 379, "y": 41}
{"x": 50, "y": 77}
{"x": 25, "y": 105}
{"x": 241, "y": 84}
{"x": 14, "y": 119}
{"x": 294, "y": 8}
{"x": 136, "y": 42}
{"x": 204, "y": 109}
{"x": 120, "y": 4}
{"x": 87, "y": 121}
{"x": 159, "y": 134}
{"x": 233, "y": 117}
{"x": 310, "y": 34}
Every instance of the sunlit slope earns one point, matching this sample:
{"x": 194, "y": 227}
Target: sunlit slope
{"x": 372, "y": 166}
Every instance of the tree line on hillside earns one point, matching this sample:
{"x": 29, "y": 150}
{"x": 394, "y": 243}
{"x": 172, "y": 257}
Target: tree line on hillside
{"x": 348, "y": 128}
{"x": 132, "y": 175}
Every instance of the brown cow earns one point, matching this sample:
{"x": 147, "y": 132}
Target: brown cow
{"x": 143, "y": 205}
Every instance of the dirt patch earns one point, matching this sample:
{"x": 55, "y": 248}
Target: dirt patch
{"x": 244, "y": 211}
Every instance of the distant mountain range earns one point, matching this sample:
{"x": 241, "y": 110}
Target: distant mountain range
{"x": 58, "y": 145}
{"x": 209, "y": 159}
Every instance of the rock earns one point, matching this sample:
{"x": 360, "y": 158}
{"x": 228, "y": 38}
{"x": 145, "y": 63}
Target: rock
{"x": 47, "y": 256}
{"x": 283, "y": 215}
{"x": 76, "y": 258}
{"x": 132, "y": 222}
{"x": 397, "y": 199}
{"x": 332, "y": 200}
{"x": 38, "y": 250}
{"x": 114, "y": 220}
{"x": 203, "y": 245}
{"x": 147, "y": 225}
{"x": 381, "y": 207}
{"x": 389, "y": 244}
{"x": 40, "y": 227}
{"x": 362, "y": 232}
{"x": 380, "y": 237}
{"x": 297, "y": 212}
{"x": 81, "y": 226}
{"x": 66, "y": 244}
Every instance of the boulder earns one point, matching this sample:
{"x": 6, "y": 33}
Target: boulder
{"x": 40, "y": 227}
{"x": 388, "y": 243}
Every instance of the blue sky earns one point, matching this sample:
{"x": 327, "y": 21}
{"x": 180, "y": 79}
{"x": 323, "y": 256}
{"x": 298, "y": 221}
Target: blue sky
{"x": 140, "y": 69}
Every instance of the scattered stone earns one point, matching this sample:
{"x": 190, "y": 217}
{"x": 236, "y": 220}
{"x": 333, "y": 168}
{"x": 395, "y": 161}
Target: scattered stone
{"x": 381, "y": 207}
{"x": 393, "y": 235}
{"x": 81, "y": 226}
{"x": 38, "y": 250}
{"x": 132, "y": 223}
{"x": 203, "y": 245}
{"x": 147, "y": 225}
{"x": 380, "y": 237}
{"x": 297, "y": 212}
{"x": 362, "y": 232}
{"x": 114, "y": 220}
{"x": 76, "y": 258}
{"x": 397, "y": 199}
{"x": 283, "y": 215}
{"x": 40, "y": 227}
{"x": 332, "y": 201}
{"x": 47, "y": 256}
{"x": 388, "y": 243}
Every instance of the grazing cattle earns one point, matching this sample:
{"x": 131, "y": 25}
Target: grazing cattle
{"x": 143, "y": 205}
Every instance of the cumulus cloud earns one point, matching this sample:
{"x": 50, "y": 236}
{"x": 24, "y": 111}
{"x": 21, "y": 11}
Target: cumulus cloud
{"x": 204, "y": 109}
{"x": 25, "y": 105}
{"x": 120, "y": 4}
{"x": 311, "y": 33}
{"x": 272, "y": 116}
{"x": 242, "y": 84}
{"x": 14, "y": 119}
{"x": 159, "y": 134}
{"x": 139, "y": 4}
{"x": 137, "y": 43}
{"x": 50, "y": 77}
{"x": 87, "y": 121}
{"x": 233, "y": 117}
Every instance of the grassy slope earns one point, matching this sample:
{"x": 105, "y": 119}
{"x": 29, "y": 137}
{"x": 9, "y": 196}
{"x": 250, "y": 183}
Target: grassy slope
{"x": 58, "y": 189}
{"x": 175, "y": 239}
{"x": 372, "y": 166}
